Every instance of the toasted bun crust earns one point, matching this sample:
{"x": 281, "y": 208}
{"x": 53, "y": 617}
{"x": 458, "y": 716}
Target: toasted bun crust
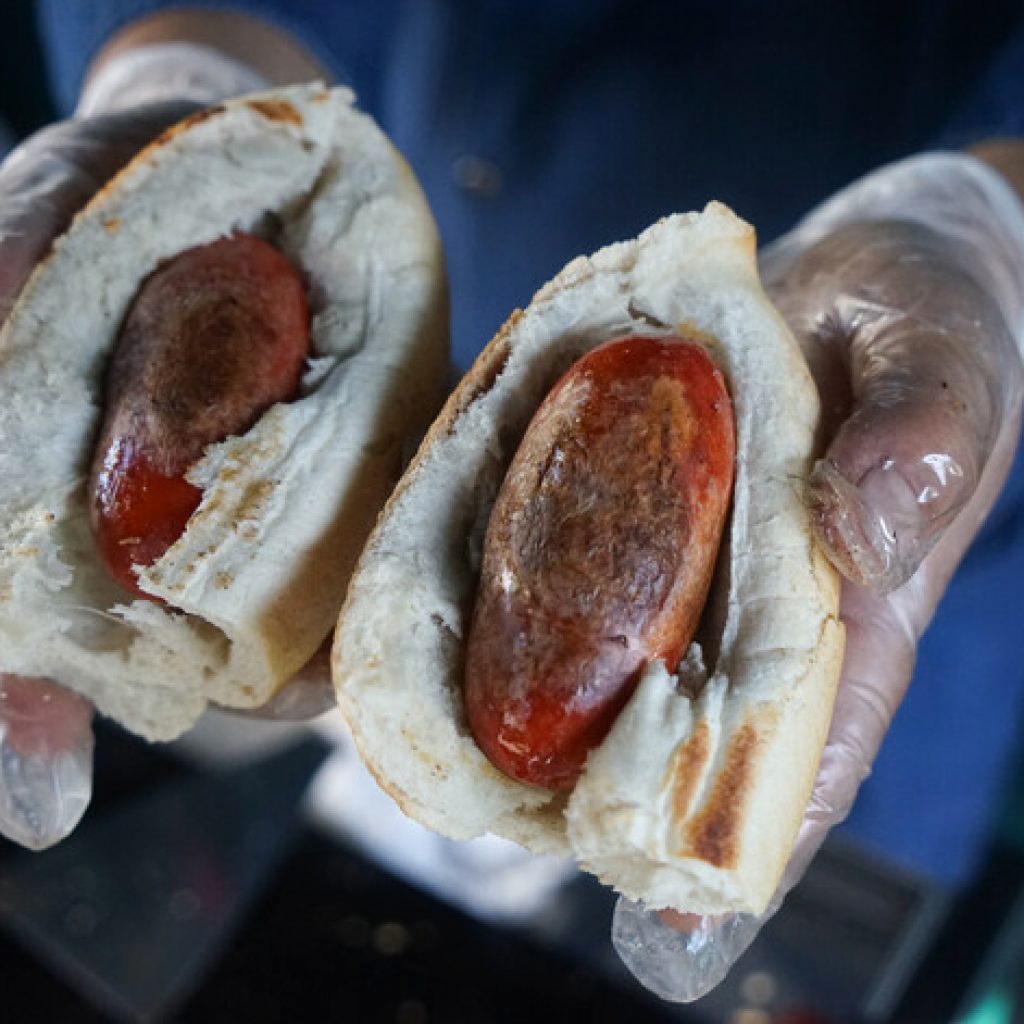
{"x": 689, "y": 803}
{"x": 254, "y": 585}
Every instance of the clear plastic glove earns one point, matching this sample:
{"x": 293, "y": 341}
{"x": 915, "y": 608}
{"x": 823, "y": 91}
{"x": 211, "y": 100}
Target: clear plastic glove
{"x": 45, "y": 731}
{"x": 45, "y": 760}
{"x": 905, "y": 292}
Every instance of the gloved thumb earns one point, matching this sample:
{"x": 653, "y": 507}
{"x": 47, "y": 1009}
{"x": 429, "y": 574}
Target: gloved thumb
{"x": 900, "y": 331}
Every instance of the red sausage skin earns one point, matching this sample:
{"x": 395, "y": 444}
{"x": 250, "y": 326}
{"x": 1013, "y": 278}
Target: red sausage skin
{"x": 214, "y": 338}
{"x": 599, "y": 551}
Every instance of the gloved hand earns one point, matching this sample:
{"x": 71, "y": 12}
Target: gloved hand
{"x": 905, "y": 293}
{"x": 46, "y": 741}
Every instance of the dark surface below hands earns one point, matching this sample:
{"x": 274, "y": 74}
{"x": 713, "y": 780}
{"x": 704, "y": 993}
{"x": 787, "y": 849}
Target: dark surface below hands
{"x": 332, "y": 935}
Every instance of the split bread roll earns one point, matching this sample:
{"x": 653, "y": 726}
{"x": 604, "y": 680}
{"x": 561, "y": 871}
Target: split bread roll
{"x": 253, "y": 586}
{"x": 691, "y": 802}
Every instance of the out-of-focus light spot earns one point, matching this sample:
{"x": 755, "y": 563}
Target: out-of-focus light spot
{"x": 758, "y": 988}
{"x": 390, "y": 938}
{"x": 750, "y": 1015}
{"x": 477, "y": 175}
{"x": 995, "y": 1008}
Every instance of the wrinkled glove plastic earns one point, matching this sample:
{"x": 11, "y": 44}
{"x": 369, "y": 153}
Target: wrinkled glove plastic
{"x": 46, "y": 738}
{"x": 905, "y": 293}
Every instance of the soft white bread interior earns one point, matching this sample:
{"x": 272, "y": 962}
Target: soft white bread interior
{"x": 690, "y": 802}
{"x": 253, "y": 586}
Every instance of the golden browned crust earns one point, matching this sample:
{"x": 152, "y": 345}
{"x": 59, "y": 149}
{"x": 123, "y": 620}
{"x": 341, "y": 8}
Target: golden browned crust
{"x": 277, "y": 110}
{"x": 688, "y": 766}
{"x": 185, "y": 124}
{"x": 712, "y": 836}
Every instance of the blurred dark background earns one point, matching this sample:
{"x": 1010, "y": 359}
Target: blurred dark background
{"x": 202, "y": 895}
{"x": 25, "y": 102}
{"x": 197, "y": 894}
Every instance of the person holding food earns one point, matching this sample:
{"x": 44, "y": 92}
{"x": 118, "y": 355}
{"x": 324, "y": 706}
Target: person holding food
{"x": 903, "y": 292}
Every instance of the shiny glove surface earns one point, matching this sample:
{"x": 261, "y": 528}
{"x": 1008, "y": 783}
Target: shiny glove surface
{"x": 904, "y": 292}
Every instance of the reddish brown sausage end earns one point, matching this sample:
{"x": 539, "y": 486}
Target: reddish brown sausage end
{"x": 599, "y": 551}
{"x": 215, "y": 337}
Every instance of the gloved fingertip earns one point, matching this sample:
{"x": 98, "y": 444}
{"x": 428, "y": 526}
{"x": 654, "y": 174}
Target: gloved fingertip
{"x": 863, "y": 527}
{"x": 43, "y": 793}
{"x": 46, "y": 746}
{"x": 679, "y": 957}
